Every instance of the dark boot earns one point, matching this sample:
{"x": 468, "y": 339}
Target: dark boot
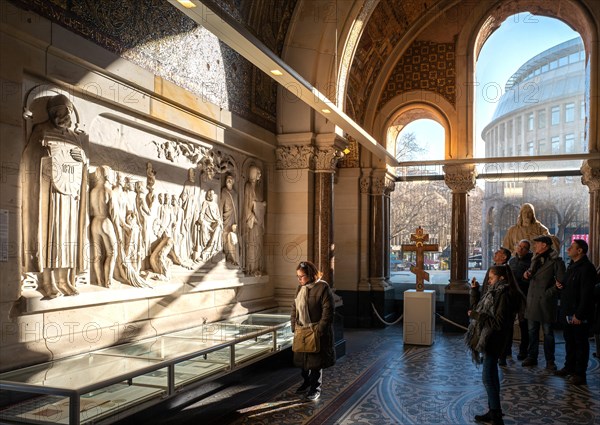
{"x": 496, "y": 417}
{"x": 486, "y": 417}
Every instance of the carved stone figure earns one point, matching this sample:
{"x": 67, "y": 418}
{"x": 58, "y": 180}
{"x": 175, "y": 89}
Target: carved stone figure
{"x": 229, "y": 212}
{"x": 211, "y": 227}
{"x": 231, "y": 246}
{"x": 527, "y": 227}
{"x": 54, "y": 167}
{"x": 253, "y": 221}
{"x": 104, "y": 236}
{"x": 189, "y": 204}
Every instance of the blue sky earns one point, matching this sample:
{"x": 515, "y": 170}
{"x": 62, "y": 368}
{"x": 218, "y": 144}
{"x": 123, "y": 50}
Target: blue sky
{"x": 517, "y": 40}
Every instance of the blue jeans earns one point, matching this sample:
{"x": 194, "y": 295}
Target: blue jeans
{"x": 534, "y": 340}
{"x": 491, "y": 381}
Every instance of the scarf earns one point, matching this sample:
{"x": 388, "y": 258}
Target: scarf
{"x": 538, "y": 260}
{"x": 478, "y": 333}
{"x": 302, "y": 304}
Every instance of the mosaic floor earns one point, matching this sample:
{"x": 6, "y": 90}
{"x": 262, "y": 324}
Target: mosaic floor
{"x": 382, "y": 382}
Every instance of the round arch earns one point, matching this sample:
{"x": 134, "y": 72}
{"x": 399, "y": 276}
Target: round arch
{"x": 484, "y": 20}
{"x": 411, "y": 106}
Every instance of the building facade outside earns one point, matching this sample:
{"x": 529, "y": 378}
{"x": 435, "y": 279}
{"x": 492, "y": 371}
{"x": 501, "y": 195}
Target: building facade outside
{"x": 542, "y": 113}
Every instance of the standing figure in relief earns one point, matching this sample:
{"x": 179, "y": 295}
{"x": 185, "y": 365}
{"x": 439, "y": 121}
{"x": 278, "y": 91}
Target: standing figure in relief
{"x": 104, "y": 237}
{"x": 189, "y": 204}
{"x": 231, "y": 246}
{"x": 54, "y": 176}
{"x": 527, "y": 227}
{"x": 211, "y": 227}
{"x": 143, "y": 214}
{"x": 253, "y": 221}
{"x": 229, "y": 211}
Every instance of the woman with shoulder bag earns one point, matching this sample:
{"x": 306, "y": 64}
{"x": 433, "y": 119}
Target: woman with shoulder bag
{"x": 313, "y": 308}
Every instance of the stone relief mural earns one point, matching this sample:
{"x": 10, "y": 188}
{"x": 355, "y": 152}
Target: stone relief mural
{"x": 130, "y": 204}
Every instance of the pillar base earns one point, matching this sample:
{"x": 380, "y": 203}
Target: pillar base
{"x": 456, "y": 305}
{"x": 358, "y": 308}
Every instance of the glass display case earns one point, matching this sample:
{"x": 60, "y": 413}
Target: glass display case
{"x": 108, "y": 384}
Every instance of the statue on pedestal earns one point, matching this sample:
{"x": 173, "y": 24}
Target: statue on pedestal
{"x": 54, "y": 167}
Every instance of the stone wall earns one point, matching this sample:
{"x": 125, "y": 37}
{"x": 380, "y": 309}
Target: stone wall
{"x": 134, "y": 140}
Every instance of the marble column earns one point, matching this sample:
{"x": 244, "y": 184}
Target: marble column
{"x": 326, "y": 155}
{"x": 390, "y": 186}
{"x": 460, "y": 179}
{"x": 378, "y": 231}
{"x": 591, "y": 178}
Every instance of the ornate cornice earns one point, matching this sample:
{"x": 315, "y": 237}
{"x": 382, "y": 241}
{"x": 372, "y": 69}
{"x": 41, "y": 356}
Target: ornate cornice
{"x": 294, "y": 157}
{"x": 460, "y": 178}
{"x": 590, "y": 171}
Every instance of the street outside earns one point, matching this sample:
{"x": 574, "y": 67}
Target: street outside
{"x": 438, "y": 279}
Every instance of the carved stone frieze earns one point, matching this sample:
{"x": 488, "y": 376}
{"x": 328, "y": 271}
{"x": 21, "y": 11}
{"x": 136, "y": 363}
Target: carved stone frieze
{"x": 460, "y": 178}
{"x": 294, "y": 156}
{"x": 590, "y": 171}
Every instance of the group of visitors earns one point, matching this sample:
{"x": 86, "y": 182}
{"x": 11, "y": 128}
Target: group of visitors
{"x": 528, "y": 286}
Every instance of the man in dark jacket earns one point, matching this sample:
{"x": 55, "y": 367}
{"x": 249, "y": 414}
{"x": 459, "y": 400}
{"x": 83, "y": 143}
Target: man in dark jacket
{"x": 542, "y": 302}
{"x": 577, "y": 305}
{"x": 519, "y": 264}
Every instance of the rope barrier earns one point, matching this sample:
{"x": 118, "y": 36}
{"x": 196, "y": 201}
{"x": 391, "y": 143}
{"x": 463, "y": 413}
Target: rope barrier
{"x": 402, "y": 316}
{"x": 382, "y": 320}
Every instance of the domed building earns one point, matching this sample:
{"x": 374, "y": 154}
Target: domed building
{"x": 541, "y": 114}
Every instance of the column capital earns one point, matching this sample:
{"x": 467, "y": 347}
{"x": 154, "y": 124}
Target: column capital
{"x": 460, "y": 178}
{"x": 326, "y": 159}
{"x": 377, "y": 185}
{"x": 390, "y": 184}
{"x": 590, "y": 170}
{"x": 294, "y": 156}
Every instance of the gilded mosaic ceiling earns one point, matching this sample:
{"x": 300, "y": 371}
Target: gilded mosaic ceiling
{"x": 388, "y": 23}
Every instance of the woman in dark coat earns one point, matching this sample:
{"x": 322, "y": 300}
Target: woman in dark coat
{"x": 493, "y": 316}
{"x": 313, "y": 305}
{"x": 596, "y": 324}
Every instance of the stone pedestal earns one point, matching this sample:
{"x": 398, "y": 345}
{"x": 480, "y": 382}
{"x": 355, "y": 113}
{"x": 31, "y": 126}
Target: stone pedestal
{"x": 419, "y": 317}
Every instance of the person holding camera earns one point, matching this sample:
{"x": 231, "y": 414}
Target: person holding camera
{"x": 489, "y": 331}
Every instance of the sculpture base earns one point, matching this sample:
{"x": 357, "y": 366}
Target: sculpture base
{"x": 419, "y": 319}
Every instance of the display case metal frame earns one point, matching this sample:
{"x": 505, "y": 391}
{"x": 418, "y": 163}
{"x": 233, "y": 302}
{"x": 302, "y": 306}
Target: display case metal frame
{"x": 238, "y": 334}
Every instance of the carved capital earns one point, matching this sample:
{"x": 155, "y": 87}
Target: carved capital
{"x": 460, "y": 178}
{"x": 378, "y": 185}
{"x": 326, "y": 159}
{"x": 294, "y": 156}
{"x": 390, "y": 185}
{"x": 590, "y": 171}
{"x": 365, "y": 184}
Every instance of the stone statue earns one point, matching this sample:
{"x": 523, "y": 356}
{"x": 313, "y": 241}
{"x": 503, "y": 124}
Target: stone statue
{"x": 103, "y": 228}
{"x": 527, "y": 227}
{"x": 189, "y": 204}
{"x": 253, "y": 222}
{"x": 229, "y": 212}
{"x": 54, "y": 175}
{"x": 231, "y": 246}
{"x": 211, "y": 227}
